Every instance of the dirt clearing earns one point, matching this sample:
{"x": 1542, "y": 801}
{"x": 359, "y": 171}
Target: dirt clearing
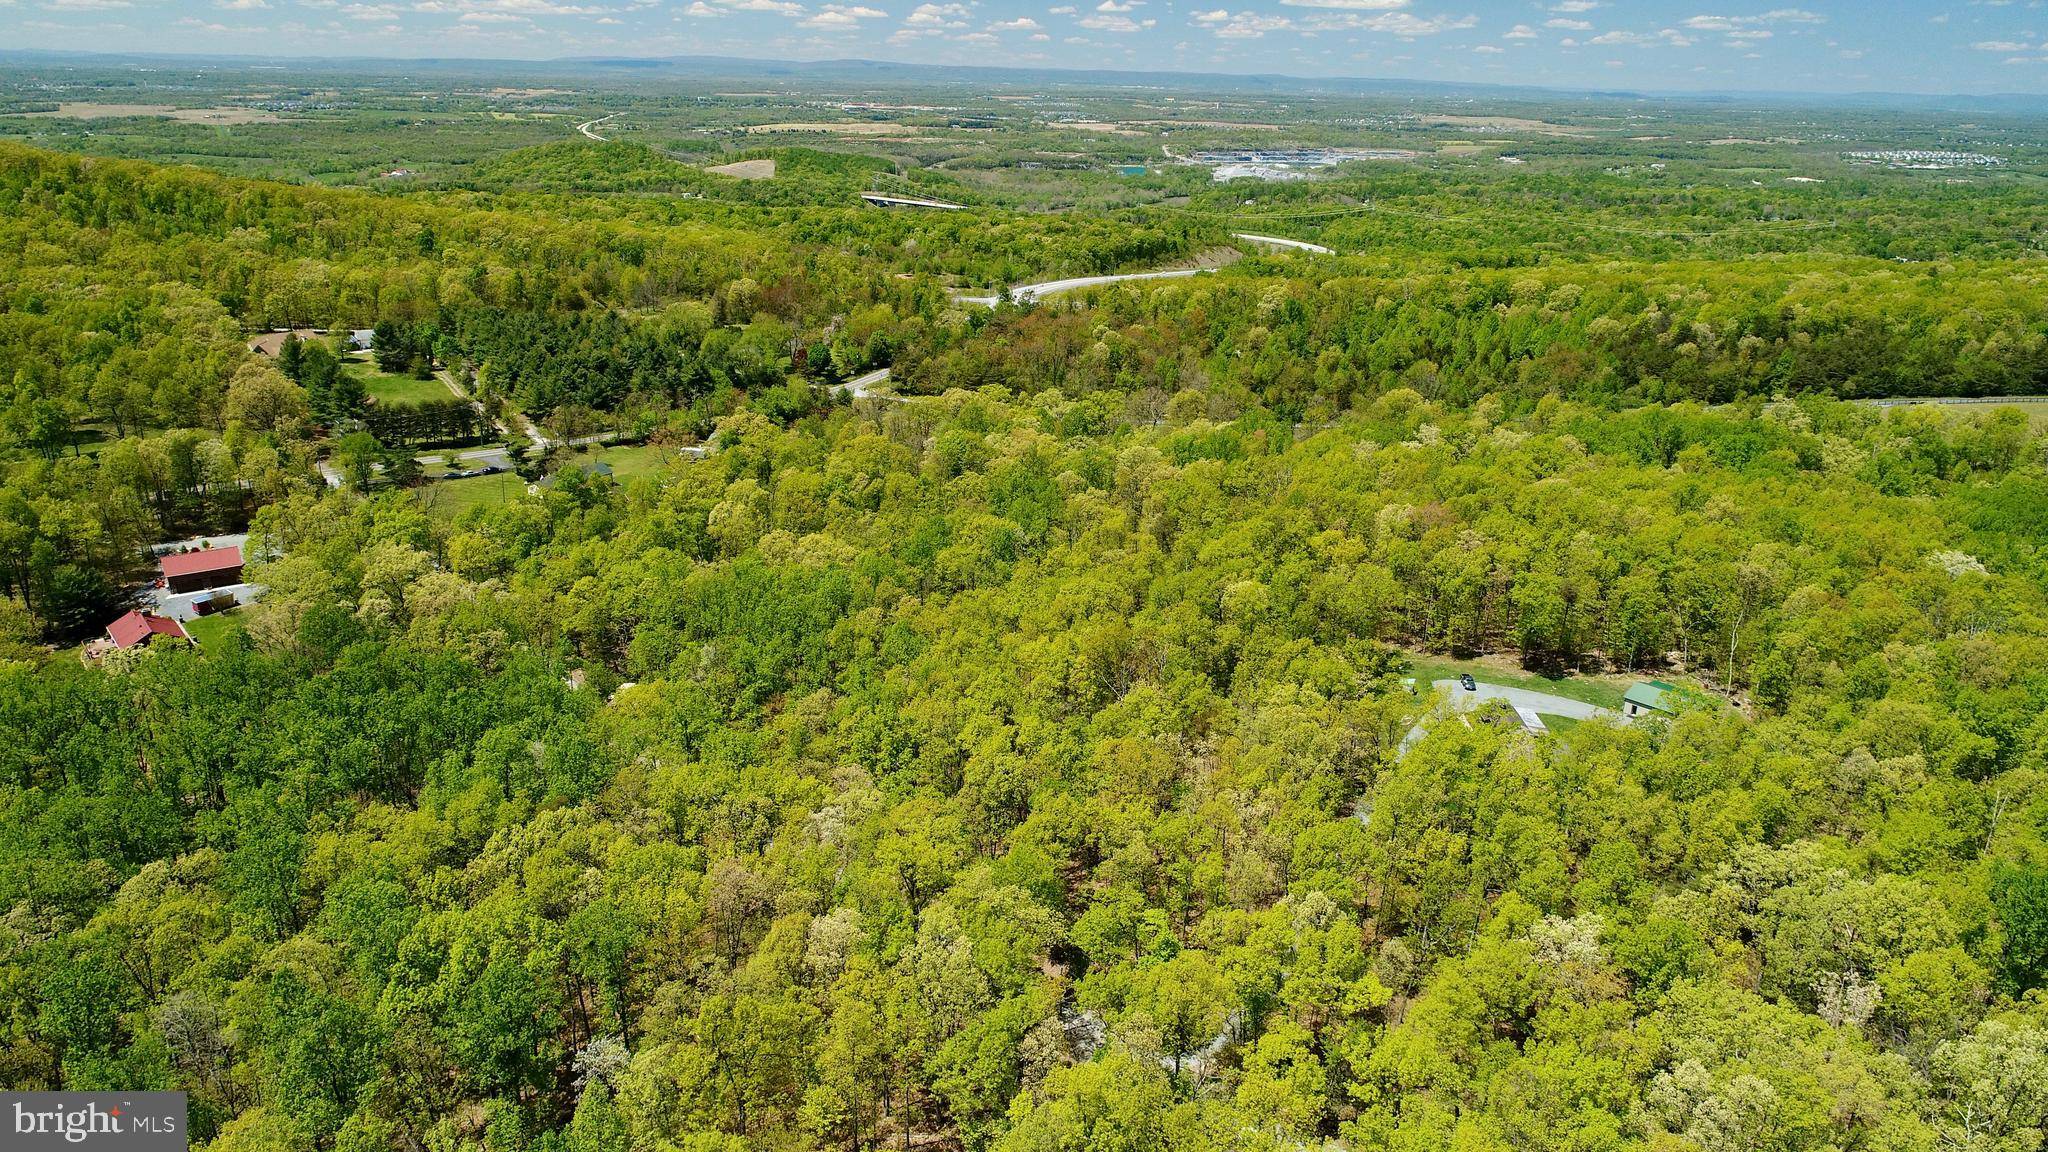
{"x": 189, "y": 115}
{"x": 746, "y": 169}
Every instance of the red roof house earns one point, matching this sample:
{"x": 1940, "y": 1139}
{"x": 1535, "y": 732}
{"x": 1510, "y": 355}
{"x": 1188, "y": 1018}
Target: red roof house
{"x": 206, "y": 568}
{"x": 136, "y": 628}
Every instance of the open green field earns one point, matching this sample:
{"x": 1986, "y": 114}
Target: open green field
{"x": 1600, "y": 691}
{"x": 629, "y": 460}
{"x": 394, "y": 388}
{"x": 210, "y": 630}
{"x": 449, "y": 499}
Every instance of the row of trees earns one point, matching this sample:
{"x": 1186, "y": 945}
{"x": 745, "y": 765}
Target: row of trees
{"x": 1321, "y": 339}
{"x": 171, "y": 264}
{"x": 450, "y": 421}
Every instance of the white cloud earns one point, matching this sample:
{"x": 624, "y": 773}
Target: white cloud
{"x": 1569, "y": 25}
{"x": 699, "y": 10}
{"x": 841, "y": 16}
{"x": 1020, "y": 24}
{"x": 1742, "y": 32}
{"x": 529, "y": 8}
{"x": 937, "y": 16}
{"x": 1669, "y": 36}
{"x": 1062, "y": 10}
{"x": 1241, "y": 25}
{"x": 1488, "y": 49}
{"x": 1114, "y": 6}
{"x": 1575, "y": 6}
{"x": 2000, "y": 46}
{"x": 1121, "y": 25}
{"x": 779, "y": 7}
{"x": 1737, "y": 23}
{"x": 1353, "y": 5}
{"x": 1519, "y": 32}
{"x": 240, "y": 5}
{"x": 1405, "y": 25}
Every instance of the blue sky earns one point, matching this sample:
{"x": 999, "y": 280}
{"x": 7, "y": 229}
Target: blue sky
{"x": 1818, "y": 45}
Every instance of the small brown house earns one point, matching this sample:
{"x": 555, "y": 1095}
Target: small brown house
{"x": 206, "y": 568}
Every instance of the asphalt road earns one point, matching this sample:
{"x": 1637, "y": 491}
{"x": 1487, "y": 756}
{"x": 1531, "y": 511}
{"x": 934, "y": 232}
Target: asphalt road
{"x": 1544, "y": 702}
{"x": 1026, "y": 293}
{"x": 1462, "y": 700}
{"x": 1279, "y": 242}
{"x": 864, "y": 386}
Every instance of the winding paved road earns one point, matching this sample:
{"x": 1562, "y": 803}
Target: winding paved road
{"x": 1542, "y": 702}
{"x": 1026, "y": 293}
{"x": 1521, "y": 699}
{"x": 1280, "y": 242}
{"x": 864, "y": 386}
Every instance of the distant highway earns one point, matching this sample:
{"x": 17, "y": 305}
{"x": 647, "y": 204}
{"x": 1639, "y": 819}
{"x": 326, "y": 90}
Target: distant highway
{"x": 1903, "y": 401}
{"x": 589, "y": 127}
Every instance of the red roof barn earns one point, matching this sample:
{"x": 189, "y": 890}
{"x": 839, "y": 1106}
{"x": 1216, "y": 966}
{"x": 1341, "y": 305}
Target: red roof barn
{"x": 206, "y": 568}
{"x": 136, "y": 628}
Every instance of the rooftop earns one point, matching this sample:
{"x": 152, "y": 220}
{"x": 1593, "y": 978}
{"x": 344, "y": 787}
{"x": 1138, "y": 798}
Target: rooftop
{"x": 1650, "y": 694}
{"x": 203, "y": 560}
{"x": 138, "y": 627}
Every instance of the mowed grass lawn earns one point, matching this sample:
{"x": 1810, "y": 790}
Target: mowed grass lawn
{"x": 452, "y": 498}
{"x": 449, "y": 499}
{"x": 392, "y": 388}
{"x": 1600, "y": 691}
{"x": 629, "y": 460}
{"x": 210, "y": 630}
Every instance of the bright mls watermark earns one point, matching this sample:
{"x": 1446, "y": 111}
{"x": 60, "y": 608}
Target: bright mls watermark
{"x": 115, "y": 1121}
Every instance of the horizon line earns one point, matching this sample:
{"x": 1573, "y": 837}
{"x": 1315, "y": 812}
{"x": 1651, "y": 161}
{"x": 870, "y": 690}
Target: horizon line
{"x": 599, "y": 61}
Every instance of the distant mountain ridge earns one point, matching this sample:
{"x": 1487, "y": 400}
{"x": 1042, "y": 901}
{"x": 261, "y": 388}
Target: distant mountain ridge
{"x": 869, "y": 71}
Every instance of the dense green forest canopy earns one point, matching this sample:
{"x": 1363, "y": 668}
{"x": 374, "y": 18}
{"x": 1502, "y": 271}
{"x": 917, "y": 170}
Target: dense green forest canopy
{"x": 1020, "y": 759}
{"x": 1042, "y": 789}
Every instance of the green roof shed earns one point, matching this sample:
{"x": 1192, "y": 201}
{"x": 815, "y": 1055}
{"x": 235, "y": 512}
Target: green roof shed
{"x": 1649, "y": 696}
